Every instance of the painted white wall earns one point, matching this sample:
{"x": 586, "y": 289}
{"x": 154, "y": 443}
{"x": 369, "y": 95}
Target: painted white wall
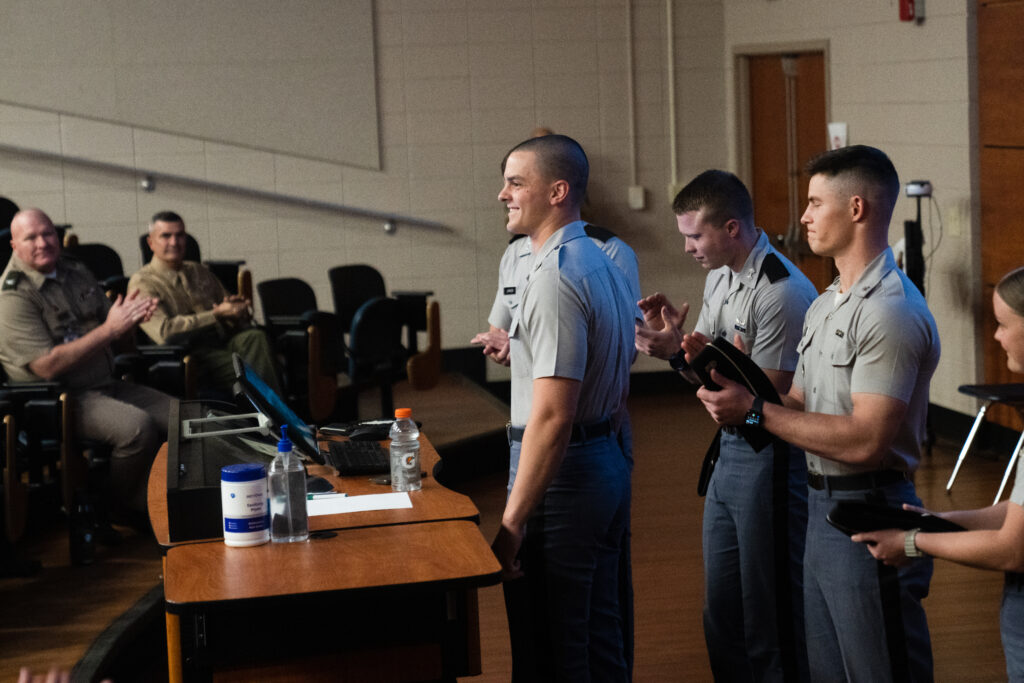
{"x": 461, "y": 81}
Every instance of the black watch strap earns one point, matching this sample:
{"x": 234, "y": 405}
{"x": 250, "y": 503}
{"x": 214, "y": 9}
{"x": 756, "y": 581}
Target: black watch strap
{"x": 755, "y": 416}
{"x": 678, "y": 361}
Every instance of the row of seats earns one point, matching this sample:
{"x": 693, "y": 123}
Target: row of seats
{"x": 361, "y": 338}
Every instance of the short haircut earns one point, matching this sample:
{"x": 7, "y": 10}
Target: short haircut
{"x": 720, "y": 194}
{"x": 559, "y": 157}
{"x": 166, "y": 217}
{"x": 864, "y": 170}
{"x": 1011, "y": 290}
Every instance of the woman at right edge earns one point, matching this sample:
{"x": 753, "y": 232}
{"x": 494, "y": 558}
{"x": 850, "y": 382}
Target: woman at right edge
{"x": 994, "y": 536}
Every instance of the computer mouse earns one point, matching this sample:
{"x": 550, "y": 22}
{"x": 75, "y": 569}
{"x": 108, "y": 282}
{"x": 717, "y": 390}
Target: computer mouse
{"x": 368, "y": 433}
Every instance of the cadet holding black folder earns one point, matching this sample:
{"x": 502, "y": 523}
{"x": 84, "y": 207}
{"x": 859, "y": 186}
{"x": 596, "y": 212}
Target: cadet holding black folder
{"x": 755, "y": 509}
{"x": 857, "y": 406}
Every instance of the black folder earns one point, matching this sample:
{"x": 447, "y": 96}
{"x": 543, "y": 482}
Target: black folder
{"x": 737, "y": 366}
{"x": 853, "y": 517}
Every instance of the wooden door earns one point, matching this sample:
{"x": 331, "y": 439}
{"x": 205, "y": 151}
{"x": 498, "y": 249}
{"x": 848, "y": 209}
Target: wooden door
{"x": 786, "y": 96}
{"x": 1001, "y": 159}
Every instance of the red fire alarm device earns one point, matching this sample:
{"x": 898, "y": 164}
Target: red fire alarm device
{"x": 907, "y": 10}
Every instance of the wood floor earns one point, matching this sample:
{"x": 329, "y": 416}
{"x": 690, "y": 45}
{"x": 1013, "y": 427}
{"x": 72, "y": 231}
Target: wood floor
{"x": 53, "y": 617}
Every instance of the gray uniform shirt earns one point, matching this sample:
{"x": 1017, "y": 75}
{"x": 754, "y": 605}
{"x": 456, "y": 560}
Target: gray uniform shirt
{"x": 38, "y": 312}
{"x": 767, "y": 315}
{"x": 880, "y": 338}
{"x": 575, "y": 320}
{"x": 1017, "y": 494}
{"x": 514, "y": 270}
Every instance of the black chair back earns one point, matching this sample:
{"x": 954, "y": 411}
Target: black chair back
{"x": 351, "y": 287}
{"x": 376, "y": 354}
{"x": 285, "y": 296}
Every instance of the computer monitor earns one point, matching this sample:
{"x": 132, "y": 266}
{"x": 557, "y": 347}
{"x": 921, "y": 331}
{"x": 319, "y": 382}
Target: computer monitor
{"x": 265, "y": 400}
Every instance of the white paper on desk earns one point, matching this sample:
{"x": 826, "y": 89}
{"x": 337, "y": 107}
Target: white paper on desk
{"x": 336, "y": 505}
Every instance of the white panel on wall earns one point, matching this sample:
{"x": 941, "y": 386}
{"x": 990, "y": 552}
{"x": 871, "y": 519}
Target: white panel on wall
{"x": 295, "y": 78}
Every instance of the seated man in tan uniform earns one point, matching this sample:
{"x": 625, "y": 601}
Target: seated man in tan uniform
{"x": 56, "y": 324}
{"x": 195, "y": 311}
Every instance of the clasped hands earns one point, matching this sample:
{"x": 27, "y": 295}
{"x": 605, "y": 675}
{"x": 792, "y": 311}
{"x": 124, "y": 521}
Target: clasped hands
{"x": 663, "y": 337}
{"x": 233, "y": 309}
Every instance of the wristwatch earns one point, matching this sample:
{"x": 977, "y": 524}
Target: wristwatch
{"x": 678, "y": 361}
{"x": 755, "y": 418}
{"x": 910, "y": 548}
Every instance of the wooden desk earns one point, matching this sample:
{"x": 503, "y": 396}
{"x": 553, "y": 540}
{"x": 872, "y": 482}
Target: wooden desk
{"x": 433, "y": 503}
{"x": 386, "y": 595}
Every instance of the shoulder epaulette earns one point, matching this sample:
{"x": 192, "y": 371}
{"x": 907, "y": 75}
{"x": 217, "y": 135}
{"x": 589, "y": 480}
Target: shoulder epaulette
{"x": 598, "y": 233}
{"x": 773, "y": 268}
{"x": 12, "y": 280}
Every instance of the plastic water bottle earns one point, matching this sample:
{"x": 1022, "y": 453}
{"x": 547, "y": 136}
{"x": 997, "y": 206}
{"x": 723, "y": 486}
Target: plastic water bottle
{"x": 288, "y": 521}
{"x": 405, "y": 452}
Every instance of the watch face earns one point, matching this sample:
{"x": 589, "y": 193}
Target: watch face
{"x": 753, "y": 418}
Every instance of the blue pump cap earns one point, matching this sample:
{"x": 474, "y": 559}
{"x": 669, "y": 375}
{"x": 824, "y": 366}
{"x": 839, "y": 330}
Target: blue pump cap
{"x": 285, "y": 444}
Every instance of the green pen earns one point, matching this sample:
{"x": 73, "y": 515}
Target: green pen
{"x": 329, "y": 494}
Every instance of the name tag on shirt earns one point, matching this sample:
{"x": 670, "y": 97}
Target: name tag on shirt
{"x": 509, "y": 290}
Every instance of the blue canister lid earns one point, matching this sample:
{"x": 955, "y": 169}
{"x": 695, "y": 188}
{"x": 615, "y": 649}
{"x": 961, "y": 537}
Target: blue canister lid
{"x": 245, "y": 471}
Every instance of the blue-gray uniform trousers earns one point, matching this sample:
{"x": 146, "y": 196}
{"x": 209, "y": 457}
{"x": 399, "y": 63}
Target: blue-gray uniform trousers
{"x": 1011, "y": 626}
{"x": 864, "y": 620}
{"x": 564, "y": 614}
{"x": 755, "y": 518}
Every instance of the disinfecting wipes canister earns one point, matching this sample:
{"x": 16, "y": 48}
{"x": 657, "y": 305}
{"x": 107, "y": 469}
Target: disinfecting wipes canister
{"x": 243, "y": 499}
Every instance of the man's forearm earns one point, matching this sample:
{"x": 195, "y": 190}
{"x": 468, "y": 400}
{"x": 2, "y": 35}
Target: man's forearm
{"x": 175, "y": 329}
{"x": 64, "y": 357}
{"x": 856, "y": 439}
{"x": 548, "y": 431}
{"x": 543, "y": 450}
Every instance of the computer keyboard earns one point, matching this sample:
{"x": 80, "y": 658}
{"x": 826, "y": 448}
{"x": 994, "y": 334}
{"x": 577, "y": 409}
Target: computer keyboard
{"x": 358, "y": 457}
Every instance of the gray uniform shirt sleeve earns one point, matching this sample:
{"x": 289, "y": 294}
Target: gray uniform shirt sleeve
{"x": 555, "y": 317}
{"x": 778, "y": 311}
{"x": 1017, "y": 494}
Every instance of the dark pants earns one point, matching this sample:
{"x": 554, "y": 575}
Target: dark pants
{"x": 217, "y": 371}
{"x": 565, "y": 618}
{"x": 755, "y": 521}
{"x": 864, "y": 620}
{"x": 1011, "y": 627}
{"x": 131, "y": 418}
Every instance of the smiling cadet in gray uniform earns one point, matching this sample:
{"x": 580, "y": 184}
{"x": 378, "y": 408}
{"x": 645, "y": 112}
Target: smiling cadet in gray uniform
{"x": 569, "y": 482}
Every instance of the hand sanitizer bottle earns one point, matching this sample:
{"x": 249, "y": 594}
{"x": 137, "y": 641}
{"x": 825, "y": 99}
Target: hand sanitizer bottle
{"x": 288, "y": 521}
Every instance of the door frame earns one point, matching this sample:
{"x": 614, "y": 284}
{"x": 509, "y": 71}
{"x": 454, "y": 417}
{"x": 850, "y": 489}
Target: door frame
{"x": 741, "y": 89}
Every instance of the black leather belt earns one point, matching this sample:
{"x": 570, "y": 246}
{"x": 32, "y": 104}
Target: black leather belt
{"x": 854, "y": 482}
{"x": 1015, "y": 581}
{"x": 580, "y": 433}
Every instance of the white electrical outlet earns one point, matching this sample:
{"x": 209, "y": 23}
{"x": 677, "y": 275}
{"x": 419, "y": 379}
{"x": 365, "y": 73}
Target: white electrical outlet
{"x": 637, "y": 197}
